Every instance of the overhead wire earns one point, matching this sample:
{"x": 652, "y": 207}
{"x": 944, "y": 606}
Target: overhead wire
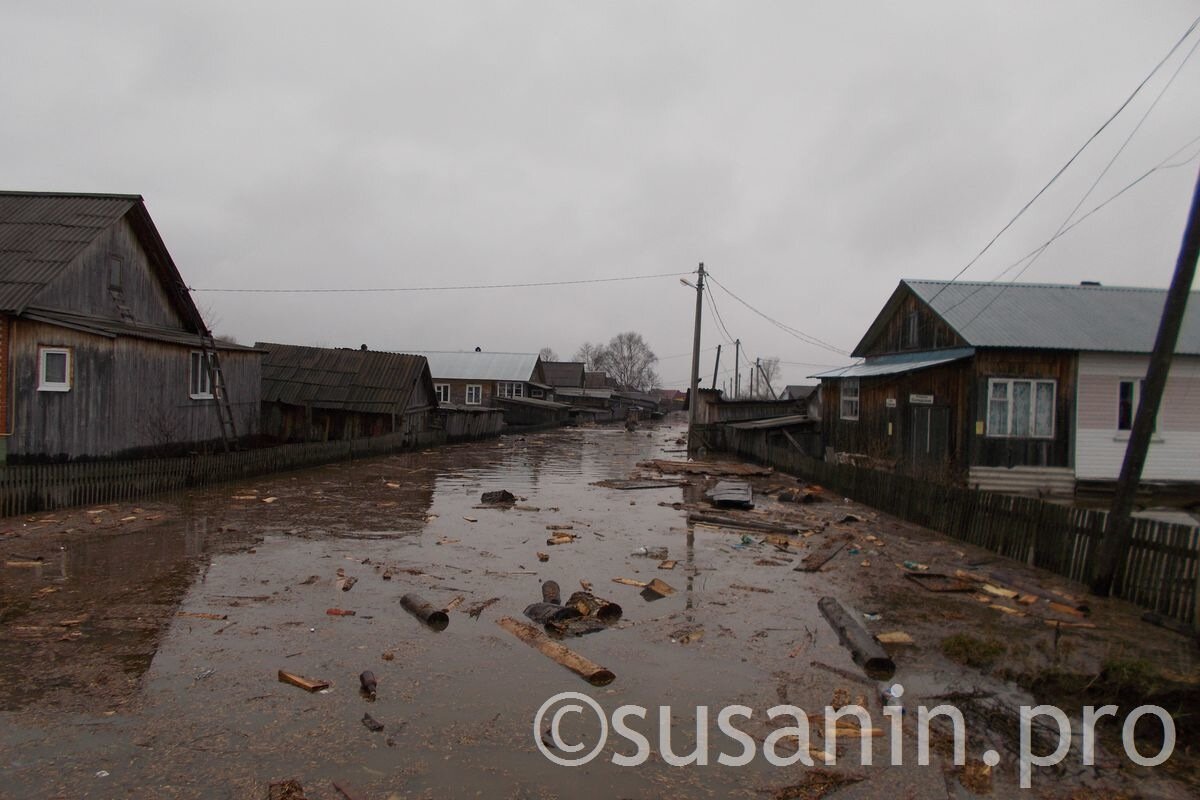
{"x": 1071, "y": 160}
{"x": 799, "y": 334}
{"x": 522, "y": 285}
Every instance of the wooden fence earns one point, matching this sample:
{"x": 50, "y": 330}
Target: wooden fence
{"x": 1161, "y": 570}
{"x": 26, "y": 489}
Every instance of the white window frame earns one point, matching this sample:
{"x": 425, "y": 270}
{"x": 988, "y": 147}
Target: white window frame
{"x": 45, "y": 385}
{"x": 199, "y": 377}
{"x": 510, "y": 389}
{"x": 442, "y": 390}
{"x": 1008, "y": 400}
{"x": 849, "y": 403}
{"x": 475, "y": 389}
{"x": 1139, "y": 386}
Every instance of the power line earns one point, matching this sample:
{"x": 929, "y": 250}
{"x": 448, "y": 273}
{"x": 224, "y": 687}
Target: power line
{"x": 799, "y": 334}
{"x": 526, "y": 285}
{"x": 713, "y": 305}
{"x": 1071, "y": 160}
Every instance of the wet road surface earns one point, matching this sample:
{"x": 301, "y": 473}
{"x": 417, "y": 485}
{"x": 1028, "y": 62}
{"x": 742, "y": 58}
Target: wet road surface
{"x": 115, "y": 684}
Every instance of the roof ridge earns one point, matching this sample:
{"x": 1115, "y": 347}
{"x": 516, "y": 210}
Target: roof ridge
{"x": 93, "y": 195}
{"x": 1088, "y": 286}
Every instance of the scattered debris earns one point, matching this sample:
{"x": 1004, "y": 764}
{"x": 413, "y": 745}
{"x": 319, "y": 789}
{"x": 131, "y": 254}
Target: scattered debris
{"x": 644, "y": 483}
{"x": 588, "y": 605}
{"x": 310, "y": 580}
{"x": 895, "y": 637}
{"x": 475, "y": 609}
{"x": 744, "y": 588}
{"x": 560, "y": 527}
{"x": 455, "y": 603}
{"x": 731, "y": 494}
{"x": 913, "y": 565}
{"x": 734, "y": 468}
{"x": 561, "y": 538}
{"x": 937, "y": 582}
{"x": 655, "y": 587}
{"x": 470, "y": 519}
{"x": 866, "y": 651}
{"x": 657, "y": 553}
{"x": 668, "y": 564}
{"x": 744, "y": 524}
{"x": 818, "y": 557}
{"x": 543, "y": 557}
{"x": 588, "y": 670}
{"x": 850, "y": 518}
{"x": 346, "y": 584}
{"x": 817, "y": 782}
{"x": 200, "y": 615}
{"x": 339, "y": 612}
{"x": 306, "y": 684}
{"x": 367, "y": 683}
{"x": 285, "y": 790}
{"x": 502, "y": 497}
{"x": 415, "y": 605}
{"x": 688, "y": 635}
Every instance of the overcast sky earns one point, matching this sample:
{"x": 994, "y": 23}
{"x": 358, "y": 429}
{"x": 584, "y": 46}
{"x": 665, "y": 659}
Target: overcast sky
{"x": 810, "y": 154}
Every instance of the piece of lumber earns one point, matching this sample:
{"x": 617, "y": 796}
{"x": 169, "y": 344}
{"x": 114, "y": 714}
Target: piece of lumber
{"x": 863, "y": 647}
{"x": 743, "y": 524}
{"x": 200, "y": 615}
{"x": 588, "y": 670}
{"x": 307, "y": 684}
{"x": 818, "y": 557}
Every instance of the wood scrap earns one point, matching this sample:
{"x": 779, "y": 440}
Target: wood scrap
{"x": 818, "y": 557}
{"x": 695, "y": 518}
{"x": 588, "y": 670}
{"x": 306, "y": 684}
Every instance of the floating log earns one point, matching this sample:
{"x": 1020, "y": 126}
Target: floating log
{"x": 200, "y": 615}
{"x": 937, "y": 582}
{"x": 867, "y": 652}
{"x": 502, "y": 497}
{"x": 434, "y": 618}
{"x": 551, "y": 593}
{"x": 588, "y": 670}
{"x": 306, "y": 684}
{"x": 367, "y": 681}
{"x": 654, "y": 587}
{"x": 747, "y": 524}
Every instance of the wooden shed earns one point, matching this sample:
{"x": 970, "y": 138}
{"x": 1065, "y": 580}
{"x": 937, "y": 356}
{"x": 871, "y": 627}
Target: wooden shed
{"x": 102, "y": 351}
{"x": 318, "y": 393}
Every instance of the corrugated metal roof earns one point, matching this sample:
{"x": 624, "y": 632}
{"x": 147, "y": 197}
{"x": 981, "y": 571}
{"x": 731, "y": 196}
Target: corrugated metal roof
{"x": 773, "y": 422}
{"x": 42, "y": 233}
{"x": 563, "y": 373}
{"x": 1059, "y": 317}
{"x": 349, "y": 380}
{"x": 471, "y": 365}
{"x": 898, "y": 363}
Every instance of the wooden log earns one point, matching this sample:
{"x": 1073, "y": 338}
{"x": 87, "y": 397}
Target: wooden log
{"x": 588, "y": 670}
{"x": 435, "y": 618}
{"x": 200, "y": 615}
{"x": 867, "y": 652}
{"x": 747, "y": 524}
{"x": 306, "y": 684}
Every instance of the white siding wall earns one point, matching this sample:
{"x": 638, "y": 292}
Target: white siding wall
{"x": 1100, "y": 447}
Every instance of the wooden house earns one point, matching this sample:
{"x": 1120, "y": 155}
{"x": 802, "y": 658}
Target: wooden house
{"x": 318, "y": 394}
{"x": 512, "y": 382}
{"x": 1013, "y": 387}
{"x": 102, "y": 351}
{"x": 563, "y": 374}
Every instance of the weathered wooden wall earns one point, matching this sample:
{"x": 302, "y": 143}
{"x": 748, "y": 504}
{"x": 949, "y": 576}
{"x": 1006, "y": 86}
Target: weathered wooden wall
{"x": 931, "y": 331}
{"x": 126, "y": 394}
{"x": 988, "y": 451}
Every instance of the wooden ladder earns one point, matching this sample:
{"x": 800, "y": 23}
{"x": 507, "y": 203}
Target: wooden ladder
{"x": 216, "y": 379}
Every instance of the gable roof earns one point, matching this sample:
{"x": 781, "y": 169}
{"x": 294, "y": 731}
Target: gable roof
{"x": 349, "y": 380}
{"x": 1117, "y": 319}
{"x": 478, "y": 366}
{"x": 799, "y": 391}
{"x": 563, "y": 373}
{"x": 43, "y": 233}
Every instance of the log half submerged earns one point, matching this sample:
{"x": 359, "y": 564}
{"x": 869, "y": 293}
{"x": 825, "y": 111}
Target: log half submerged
{"x": 590, "y": 671}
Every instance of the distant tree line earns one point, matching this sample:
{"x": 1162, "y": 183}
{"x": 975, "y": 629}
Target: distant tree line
{"x": 627, "y": 359}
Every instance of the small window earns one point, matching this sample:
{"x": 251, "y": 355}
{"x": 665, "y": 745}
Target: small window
{"x": 114, "y": 272}
{"x": 1020, "y": 409}
{"x": 850, "y": 398}
{"x": 538, "y": 393}
{"x": 54, "y": 369}
{"x": 510, "y": 389}
{"x": 1129, "y": 397}
{"x": 911, "y": 329}
{"x": 474, "y": 394}
{"x": 443, "y": 392}
{"x": 199, "y": 378}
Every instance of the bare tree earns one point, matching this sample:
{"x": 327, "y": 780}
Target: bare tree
{"x": 770, "y": 372}
{"x": 548, "y": 354}
{"x": 591, "y": 355}
{"x": 630, "y": 362}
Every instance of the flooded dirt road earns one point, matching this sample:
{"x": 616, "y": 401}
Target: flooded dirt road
{"x": 140, "y": 645}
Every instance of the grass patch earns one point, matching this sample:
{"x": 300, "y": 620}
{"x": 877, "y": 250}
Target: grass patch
{"x": 972, "y": 651}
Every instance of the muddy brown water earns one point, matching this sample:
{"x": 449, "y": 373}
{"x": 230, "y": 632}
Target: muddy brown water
{"x": 110, "y": 690}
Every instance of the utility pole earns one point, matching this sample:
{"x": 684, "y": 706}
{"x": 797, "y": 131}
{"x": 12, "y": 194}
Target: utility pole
{"x": 737, "y": 369}
{"x": 1110, "y": 553}
{"x": 716, "y": 367}
{"x": 762, "y": 376}
{"x": 693, "y": 393}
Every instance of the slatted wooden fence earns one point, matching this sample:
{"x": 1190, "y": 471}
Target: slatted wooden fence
{"x": 45, "y": 487}
{"x": 1161, "y": 570}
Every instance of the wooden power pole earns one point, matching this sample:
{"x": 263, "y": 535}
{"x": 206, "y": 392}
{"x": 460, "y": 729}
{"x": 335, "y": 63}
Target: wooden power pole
{"x": 1110, "y": 553}
{"x": 694, "y": 389}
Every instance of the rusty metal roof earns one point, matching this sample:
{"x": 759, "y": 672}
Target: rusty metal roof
{"x": 563, "y": 373}
{"x": 367, "y": 381}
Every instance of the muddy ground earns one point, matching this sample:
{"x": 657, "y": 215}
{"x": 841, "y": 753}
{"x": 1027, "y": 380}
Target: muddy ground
{"x": 140, "y": 644}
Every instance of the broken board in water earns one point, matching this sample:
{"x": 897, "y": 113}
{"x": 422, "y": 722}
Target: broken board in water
{"x": 937, "y": 582}
{"x": 825, "y": 551}
{"x": 731, "y": 494}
